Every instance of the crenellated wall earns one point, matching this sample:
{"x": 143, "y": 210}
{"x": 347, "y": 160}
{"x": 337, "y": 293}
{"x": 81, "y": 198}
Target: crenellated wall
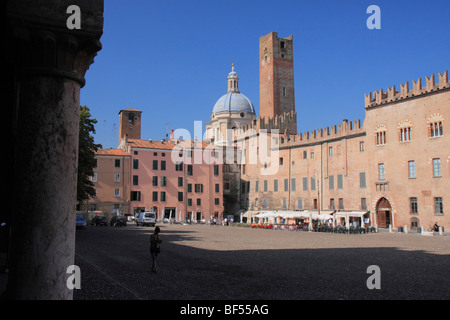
{"x": 376, "y": 98}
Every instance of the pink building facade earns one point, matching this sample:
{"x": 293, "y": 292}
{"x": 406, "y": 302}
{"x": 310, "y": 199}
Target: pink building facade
{"x": 181, "y": 181}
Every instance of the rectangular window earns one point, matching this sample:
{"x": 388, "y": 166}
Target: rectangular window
{"x": 256, "y": 186}
{"x": 216, "y": 170}
{"x": 284, "y": 203}
{"x": 117, "y": 192}
{"x": 179, "y": 166}
{"x": 155, "y": 195}
{"x": 293, "y": 186}
{"x": 413, "y": 205}
{"x": 180, "y": 196}
{"x": 299, "y": 204}
{"x": 265, "y": 185}
{"x": 163, "y": 165}
{"x": 198, "y": 187}
{"x": 438, "y": 205}
{"x": 412, "y": 169}
{"x": 313, "y": 183}
{"x": 135, "y": 196}
{"x": 189, "y": 187}
{"x": 436, "y": 167}
{"x": 341, "y": 204}
{"x": 199, "y": 202}
{"x": 305, "y": 184}
{"x": 381, "y": 171}
{"x": 163, "y": 181}
{"x": 180, "y": 181}
{"x": 275, "y": 185}
{"x": 363, "y": 204}
{"x": 155, "y": 164}
{"x": 305, "y": 154}
{"x": 217, "y": 188}
{"x": 163, "y": 196}
{"x": 265, "y": 204}
{"x": 331, "y": 182}
{"x": 362, "y": 179}
{"x": 189, "y": 202}
{"x": 94, "y": 177}
{"x": 216, "y": 201}
{"x": 190, "y": 170}
{"x": 340, "y": 181}
{"x": 330, "y": 151}
{"x": 117, "y": 177}
{"x": 281, "y": 161}
{"x": 332, "y": 207}
{"x": 135, "y": 163}
{"x": 155, "y": 181}
{"x": 361, "y": 146}
{"x": 117, "y": 163}
{"x": 135, "y": 180}
{"x": 286, "y": 185}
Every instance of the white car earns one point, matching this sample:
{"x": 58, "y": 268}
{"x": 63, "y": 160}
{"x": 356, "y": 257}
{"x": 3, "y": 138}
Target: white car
{"x": 146, "y": 218}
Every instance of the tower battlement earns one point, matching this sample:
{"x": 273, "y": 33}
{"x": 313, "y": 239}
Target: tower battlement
{"x": 379, "y": 97}
{"x": 281, "y": 122}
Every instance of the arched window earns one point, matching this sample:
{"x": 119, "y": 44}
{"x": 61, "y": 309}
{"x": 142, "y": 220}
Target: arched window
{"x": 405, "y": 127}
{"x": 436, "y": 125}
{"x": 380, "y": 134}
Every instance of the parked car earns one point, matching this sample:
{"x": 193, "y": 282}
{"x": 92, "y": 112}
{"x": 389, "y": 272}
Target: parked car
{"x": 81, "y": 222}
{"x": 118, "y": 221}
{"x": 99, "y": 221}
{"x": 146, "y": 218}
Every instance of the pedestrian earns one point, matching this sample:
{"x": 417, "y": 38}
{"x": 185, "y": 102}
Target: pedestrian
{"x": 155, "y": 242}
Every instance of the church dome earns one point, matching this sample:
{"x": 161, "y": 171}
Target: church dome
{"x": 233, "y": 101}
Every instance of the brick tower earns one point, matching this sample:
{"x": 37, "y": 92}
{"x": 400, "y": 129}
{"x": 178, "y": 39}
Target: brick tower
{"x": 276, "y": 79}
{"x": 129, "y": 124}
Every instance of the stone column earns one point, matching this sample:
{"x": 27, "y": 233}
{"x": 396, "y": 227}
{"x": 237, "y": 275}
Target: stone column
{"x": 49, "y": 63}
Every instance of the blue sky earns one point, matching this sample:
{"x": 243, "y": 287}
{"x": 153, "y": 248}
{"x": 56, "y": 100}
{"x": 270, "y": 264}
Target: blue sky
{"x": 171, "y": 58}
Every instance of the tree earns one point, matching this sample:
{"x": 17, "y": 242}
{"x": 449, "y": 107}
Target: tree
{"x": 86, "y": 155}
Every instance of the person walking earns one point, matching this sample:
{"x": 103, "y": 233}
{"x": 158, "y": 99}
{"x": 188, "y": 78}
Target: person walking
{"x": 155, "y": 242}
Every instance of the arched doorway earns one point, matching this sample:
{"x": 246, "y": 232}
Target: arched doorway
{"x": 384, "y": 213}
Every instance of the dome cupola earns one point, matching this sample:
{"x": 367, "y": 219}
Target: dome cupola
{"x": 233, "y": 101}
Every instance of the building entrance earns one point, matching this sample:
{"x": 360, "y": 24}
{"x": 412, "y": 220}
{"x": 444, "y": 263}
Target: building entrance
{"x": 384, "y": 213}
{"x": 170, "y": 213}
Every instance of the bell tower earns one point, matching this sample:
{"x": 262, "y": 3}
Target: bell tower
{"x": 129, "y": 124}
{"x": 276, "y": 78}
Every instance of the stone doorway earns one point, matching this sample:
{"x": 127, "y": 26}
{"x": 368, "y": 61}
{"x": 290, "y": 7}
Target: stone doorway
{"x": 384, "y": 213}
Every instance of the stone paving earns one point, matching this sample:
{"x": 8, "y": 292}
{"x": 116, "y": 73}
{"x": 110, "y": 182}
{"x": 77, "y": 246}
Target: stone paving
{"x": 216, "y": 262}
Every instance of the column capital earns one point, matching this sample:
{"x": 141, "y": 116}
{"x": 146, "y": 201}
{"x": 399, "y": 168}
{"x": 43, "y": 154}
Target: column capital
{"x": 41, "y": 44}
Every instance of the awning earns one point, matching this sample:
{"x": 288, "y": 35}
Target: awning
{"x": 351, "y": 213}
{"x": 248, "y": 214}
{"x": 267, "y": 214}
